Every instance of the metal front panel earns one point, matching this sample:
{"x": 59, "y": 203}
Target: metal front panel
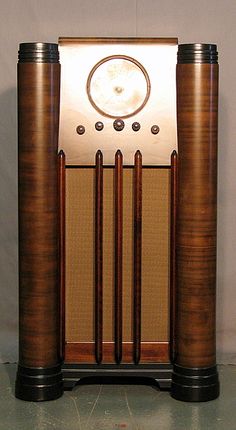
{"x": 104, "y": 80}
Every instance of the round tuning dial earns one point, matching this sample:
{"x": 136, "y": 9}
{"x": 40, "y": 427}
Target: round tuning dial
{"x": 118, "y": 86}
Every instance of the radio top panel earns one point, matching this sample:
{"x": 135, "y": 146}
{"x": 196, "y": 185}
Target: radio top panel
{"x": 118, "y": 94}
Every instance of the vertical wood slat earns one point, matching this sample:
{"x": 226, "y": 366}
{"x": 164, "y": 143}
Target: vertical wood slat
{"x": 137, "y": 255}
{"x": 173, "y": 287}
{"x": 99, "y": 257}
{"x": 118, "y": 254}
{"x": 62, "y": 205}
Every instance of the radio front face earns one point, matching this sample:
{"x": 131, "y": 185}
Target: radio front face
{"x": 118, "y": 95}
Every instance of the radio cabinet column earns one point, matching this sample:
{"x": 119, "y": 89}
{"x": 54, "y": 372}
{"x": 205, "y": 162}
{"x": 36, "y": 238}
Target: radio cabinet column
{"x": 39, "y": 374}
{"x": 195, "y": 375}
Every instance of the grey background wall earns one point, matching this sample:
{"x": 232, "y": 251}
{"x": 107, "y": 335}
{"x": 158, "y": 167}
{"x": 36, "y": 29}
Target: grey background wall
{"x": 41, "y": 20}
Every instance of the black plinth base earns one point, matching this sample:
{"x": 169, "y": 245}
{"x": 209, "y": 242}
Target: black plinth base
{"x": 38, "y": 384}
{"x": 156, "y": 374}
{"x": 195, "y": 384}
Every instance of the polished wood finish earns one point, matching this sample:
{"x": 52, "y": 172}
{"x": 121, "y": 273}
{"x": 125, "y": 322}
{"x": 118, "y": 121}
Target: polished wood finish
{"x": 168, "y": 40}
{"x": 137, "y": 254}
{"x": 98, "y": 256}
{"x": 197, "y": 100}
{"x": 150, "y": 352}
{"x": 62, "y": 247}
{"x": 38, "y": 107}
{"x": 118, "y": 253}
{"x": 42, "y": 241}
{"x": 173, "y": 216}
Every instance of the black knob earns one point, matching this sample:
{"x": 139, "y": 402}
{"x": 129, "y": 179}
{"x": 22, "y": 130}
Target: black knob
{"x": 118, "y": 124}
{"x": 80, "y": 129}
{"x": 99, "y": 125}
{"x": 155, "y": 129}
{"x": 136, "y": 126}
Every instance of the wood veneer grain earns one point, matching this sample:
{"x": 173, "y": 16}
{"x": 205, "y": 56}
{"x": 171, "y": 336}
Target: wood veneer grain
{"x": 38, "y": 107}
{"x": 173, "y": 221}
{"x": 150, "y": 352}
{"x": 62, "y": 246}
{"x": 99, "y": 257}
{"x": 197, "y": 103}
{"x": 137, "y": 277}
{"x": 118, "y": 254}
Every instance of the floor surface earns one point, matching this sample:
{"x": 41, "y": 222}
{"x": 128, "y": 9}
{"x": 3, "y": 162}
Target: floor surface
{"x": 118, "y": 407}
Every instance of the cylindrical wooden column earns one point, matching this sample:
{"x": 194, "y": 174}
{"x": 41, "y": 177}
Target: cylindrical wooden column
{"x": 195, "y": 375}
{"x": 39, "y": 374}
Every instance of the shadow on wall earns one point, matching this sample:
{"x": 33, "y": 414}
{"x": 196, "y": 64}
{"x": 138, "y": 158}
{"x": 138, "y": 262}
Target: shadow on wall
{"x": 8, "y": 226}
{"x": 225, "y": 330}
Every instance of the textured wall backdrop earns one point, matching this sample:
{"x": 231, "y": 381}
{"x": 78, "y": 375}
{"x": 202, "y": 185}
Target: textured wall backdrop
{"x": 32, "y": 20}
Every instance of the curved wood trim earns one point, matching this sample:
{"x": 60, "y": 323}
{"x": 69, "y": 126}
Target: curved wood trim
{"x": 105, "y": 40}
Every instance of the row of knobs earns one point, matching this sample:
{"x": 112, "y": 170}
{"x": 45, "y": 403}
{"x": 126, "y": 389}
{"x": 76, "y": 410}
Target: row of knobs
{"x": 118, "y": 125}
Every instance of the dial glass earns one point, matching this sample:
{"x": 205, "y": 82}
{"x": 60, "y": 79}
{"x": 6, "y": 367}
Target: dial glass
{"x": 118, "y": 86}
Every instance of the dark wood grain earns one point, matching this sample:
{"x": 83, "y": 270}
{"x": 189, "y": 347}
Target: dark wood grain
{"x": 118, "y": 253}
{"x": 98, "y": 256}
{"x": 38, "y": 110}
{"x": 137, "y": 255}
{"x": 62, "y": 207}
{"x": 173, "y": 216}
{"x": 197, "y": 103}
{"x": 150, "y": 352}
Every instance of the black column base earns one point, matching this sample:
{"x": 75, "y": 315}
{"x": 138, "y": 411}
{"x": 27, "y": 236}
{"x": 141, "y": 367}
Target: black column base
{"x": 37, "y": 384}
{"x": 195, "y": 384}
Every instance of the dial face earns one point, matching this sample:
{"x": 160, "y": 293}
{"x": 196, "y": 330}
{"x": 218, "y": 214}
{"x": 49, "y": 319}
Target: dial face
{"x": 118, "y": 86}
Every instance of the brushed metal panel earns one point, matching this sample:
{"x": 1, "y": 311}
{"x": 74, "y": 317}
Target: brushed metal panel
{"x": 78, "y": 59}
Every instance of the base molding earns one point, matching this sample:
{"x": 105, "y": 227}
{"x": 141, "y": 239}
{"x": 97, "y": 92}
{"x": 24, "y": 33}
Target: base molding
{"x": 38, "y": 384}
{"x": 160, "y": 374}
{"x": 195, "y": 384}
{"x": 186, "y": 384}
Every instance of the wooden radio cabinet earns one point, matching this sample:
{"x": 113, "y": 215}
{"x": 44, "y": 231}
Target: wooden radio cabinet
{"x": 117, "y": 214}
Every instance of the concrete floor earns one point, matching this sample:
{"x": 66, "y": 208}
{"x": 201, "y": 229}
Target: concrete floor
{"x": 118, "y": 407}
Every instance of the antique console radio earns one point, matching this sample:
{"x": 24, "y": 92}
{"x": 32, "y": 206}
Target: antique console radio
{"x": 117, "y": 214}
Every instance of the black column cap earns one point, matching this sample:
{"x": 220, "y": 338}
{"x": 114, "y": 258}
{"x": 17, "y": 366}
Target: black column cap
{"x": 37, "y": 52}
{"x": 197, "y": 53}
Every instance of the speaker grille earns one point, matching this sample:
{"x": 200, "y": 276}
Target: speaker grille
{"x": 80, "y": 254}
